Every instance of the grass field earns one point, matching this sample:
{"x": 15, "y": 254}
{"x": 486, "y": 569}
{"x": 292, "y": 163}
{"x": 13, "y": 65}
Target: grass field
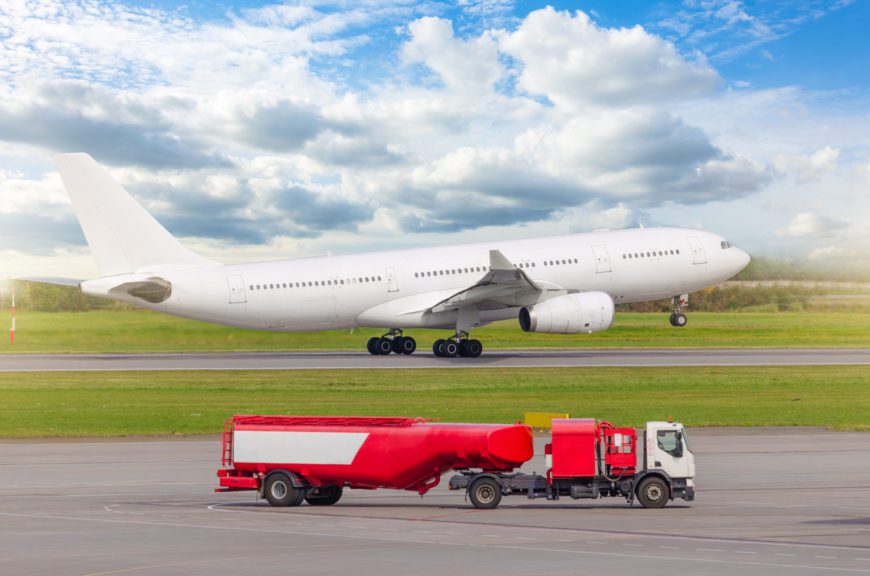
{"x": 143, "y": 331}
{"x": 159, "y": 403}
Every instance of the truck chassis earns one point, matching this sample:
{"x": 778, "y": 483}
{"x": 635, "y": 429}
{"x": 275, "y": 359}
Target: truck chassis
{"x": 653, "y": 488}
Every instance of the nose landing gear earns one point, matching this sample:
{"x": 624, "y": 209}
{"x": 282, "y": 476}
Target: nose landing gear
{"x": 678, "y": 319}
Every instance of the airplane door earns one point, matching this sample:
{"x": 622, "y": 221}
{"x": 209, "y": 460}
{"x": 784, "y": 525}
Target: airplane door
{"x": 602, "y": 259}
{"x": 236, "y": 285}
{"x": 700, "y": 257}
{"x": 392, "y": 281}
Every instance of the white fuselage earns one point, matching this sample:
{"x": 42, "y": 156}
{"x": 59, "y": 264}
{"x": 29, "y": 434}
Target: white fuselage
{"x": 390, "y": 289}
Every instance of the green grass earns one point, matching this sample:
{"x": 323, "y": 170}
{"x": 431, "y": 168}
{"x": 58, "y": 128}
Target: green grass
{"x": 143, "y": 331}
{"x": 160, "y": 403}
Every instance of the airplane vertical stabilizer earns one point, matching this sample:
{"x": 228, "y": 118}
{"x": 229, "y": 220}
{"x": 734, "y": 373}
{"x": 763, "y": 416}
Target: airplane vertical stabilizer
{"x": 122, "y": 235}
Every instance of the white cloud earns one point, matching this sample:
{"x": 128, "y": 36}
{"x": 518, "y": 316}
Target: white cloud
{"x": 256, "y": 135}
{"x": 469, "y": 67}
{"x": 806, "y": 167}
{"x": 811, "y": 224}
{"x": 573, "y": 62}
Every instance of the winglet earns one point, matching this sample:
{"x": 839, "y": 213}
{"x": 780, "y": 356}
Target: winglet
{"x": 498, "y": 261}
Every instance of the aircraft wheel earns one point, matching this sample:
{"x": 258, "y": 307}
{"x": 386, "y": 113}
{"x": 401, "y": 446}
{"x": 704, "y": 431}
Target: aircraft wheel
{"x": 473, "y": 348}
{"x": 680, "y": 320}
{"x": 409, "y": 345}
{"x": 449, "y": 349}
{"x": 372, "y": 345}
{"x": 384, "y": 346}
{"x": 396, "y": 344}
{"x": 436, "y": 348}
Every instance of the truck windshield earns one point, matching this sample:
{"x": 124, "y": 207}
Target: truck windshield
{"x": 669, "y": 442}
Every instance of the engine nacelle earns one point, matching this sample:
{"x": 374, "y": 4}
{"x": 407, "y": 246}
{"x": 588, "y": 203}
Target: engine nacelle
{"x": 569, "y": 314}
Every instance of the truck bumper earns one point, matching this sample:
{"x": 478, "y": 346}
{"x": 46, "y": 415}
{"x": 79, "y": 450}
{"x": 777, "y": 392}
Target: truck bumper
{"x": 681, "y": 488}
{"x": 231, "y": 481}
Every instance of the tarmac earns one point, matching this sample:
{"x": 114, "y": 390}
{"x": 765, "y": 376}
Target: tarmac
{"x": 425, "y": 359}
{"x": 770, "y": 501}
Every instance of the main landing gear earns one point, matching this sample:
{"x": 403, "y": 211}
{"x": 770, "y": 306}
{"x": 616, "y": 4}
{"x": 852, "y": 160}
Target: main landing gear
{"x": 392, "y": 341}
{"x": 678, "y": 319}
{"x": 459, "y": 345}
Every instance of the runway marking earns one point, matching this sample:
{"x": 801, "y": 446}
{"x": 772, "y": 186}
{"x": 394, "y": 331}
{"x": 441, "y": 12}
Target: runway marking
{"x": 563, "y": 358}
{"x": 485, "y": 525}
{"x": 146, "y": 567}
{"x": 670, "y": 547}
{"x": 375, "y": 538}
{"x": 451, "y": 366}
{"x": 672, "y": 558}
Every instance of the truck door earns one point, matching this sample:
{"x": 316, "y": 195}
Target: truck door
{"x": 236, "y": 288}
{"x": 602, "y": 259}
{"x": 700, "y": 257}
{"x": 670, "y": 452}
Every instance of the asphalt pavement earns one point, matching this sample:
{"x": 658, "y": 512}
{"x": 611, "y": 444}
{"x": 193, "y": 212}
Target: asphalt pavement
{"x": 424, "y": 359}
{"x": 770, "y": 501}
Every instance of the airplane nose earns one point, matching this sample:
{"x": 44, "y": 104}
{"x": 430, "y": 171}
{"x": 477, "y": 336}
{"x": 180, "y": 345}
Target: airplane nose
{"x": 743, "y": 259}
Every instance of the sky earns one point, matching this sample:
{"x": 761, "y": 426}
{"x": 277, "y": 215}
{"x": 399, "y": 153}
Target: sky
{"x": 261, "y": 130}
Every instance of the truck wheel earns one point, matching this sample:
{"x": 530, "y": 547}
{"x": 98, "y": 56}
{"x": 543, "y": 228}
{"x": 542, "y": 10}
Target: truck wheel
{"x": 485, "y": 493}
{"x": 326, "y": 496}
{"x": 280, "y": 491}
{"x": 653, "y": 493}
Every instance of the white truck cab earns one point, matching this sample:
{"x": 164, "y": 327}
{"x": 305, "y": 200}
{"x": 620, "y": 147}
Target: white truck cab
{"x": 667, "y": 451}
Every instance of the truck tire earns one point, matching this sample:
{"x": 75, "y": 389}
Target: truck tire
{"x": 653, "y": 492}
{"x": 485, "y": 493}
{"x": 327, "y": 496}
{"x": 279, "y": 491}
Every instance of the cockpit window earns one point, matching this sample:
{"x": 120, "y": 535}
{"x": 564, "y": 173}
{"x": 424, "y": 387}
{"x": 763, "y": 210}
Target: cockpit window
{"x": 725, "y": 244}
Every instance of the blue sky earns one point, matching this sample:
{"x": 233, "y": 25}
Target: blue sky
{"x": 260, "y": 130}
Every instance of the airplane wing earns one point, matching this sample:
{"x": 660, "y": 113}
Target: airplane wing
{"x": 504, "y": 285}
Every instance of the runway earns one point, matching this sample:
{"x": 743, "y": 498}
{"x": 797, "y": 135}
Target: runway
{"x": 424, "y": 359}
{"x": 770, "y": 502}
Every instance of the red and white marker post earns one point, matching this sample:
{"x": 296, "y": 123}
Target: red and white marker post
{"x": 12, "y": 330}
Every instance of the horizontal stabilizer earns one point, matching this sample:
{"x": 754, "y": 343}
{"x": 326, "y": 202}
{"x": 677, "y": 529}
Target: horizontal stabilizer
{"x": 153, "y": 290}
{"x": 52, "y": 280}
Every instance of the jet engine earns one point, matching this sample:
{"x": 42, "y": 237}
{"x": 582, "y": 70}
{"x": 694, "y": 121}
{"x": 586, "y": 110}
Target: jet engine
{"x": 569, "y": 314}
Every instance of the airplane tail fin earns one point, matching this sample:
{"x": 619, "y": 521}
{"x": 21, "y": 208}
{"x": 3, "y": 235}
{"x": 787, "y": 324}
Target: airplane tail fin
{"x": 123, "y": 236}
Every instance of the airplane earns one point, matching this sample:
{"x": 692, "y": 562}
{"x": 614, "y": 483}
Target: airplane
{"x": 563, "y": 284}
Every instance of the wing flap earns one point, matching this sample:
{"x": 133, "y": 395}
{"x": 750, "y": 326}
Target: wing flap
{"x": 500, "y": 286}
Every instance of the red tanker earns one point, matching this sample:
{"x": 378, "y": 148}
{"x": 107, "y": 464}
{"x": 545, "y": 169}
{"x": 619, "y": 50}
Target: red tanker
{"x": 291, "y": 458}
